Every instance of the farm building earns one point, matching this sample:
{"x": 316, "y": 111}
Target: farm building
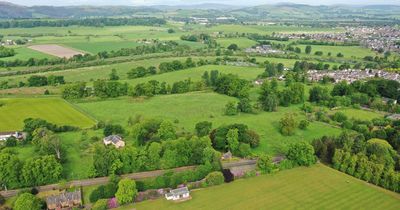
{"x": 114, "y": 140}
{"x": 66, "y": 200}
{"x": 178, "y": 194}
{"x": 5, "y": 135}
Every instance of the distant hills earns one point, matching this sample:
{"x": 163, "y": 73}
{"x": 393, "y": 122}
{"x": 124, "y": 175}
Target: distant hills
{"x": 285, "y": 11}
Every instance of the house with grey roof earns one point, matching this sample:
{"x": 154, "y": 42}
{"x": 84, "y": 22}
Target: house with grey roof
{"x": 178, "y": 194}
{"x": 115, "y": 140}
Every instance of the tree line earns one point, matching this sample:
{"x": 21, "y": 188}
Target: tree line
{"x": 96, "y": 22}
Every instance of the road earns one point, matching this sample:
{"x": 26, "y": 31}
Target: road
{"x": 100, "y": 180}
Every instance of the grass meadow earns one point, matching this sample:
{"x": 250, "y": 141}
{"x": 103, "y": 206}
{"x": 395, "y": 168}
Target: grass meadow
{"x": 188, "y": 109}
{"x": 315, "y": 187}
{"x": 15, "y": 110}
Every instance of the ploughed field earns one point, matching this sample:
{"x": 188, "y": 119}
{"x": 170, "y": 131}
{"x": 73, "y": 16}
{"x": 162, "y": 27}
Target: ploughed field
{"x": 13, "y": 111}
{"x": 56, "y": 50}
{"x": 316, "y": 187}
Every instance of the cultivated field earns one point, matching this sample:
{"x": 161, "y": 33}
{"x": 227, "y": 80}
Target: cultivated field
{"x": 56, "y": 50}
{"x": 316, "y": 187}
{"x": 15, "y": 110}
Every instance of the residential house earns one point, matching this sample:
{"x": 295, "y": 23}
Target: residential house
{"x": 5, "y": 135}
{"x": 115, "y": 140}
{"x": 178, "y": 194}
{"x": 66, "y": 200}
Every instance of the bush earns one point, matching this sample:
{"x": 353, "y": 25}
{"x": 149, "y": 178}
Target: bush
{"x": 301, "y": 153}
{"x": 214, "y": 178}
{"x": 304, "y": 124}
{"x": 230, "y": 109}
{"x": 103, "y": 191}
{"x": 244, "y": 150}
{"x": 264, "y": 163}
{"x": 100, "y": 205}
{"x": 339, "y": 117}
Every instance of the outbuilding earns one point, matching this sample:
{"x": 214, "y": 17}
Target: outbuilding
{"x": 178, "y": 194}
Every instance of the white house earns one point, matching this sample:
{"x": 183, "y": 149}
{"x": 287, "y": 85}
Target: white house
{"x": 5, "y": 135}
{"x": 114, "y": 140}
{"x": 178, "y": 194}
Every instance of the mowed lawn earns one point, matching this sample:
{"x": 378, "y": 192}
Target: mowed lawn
{"x": 188, "y": 109}
{"x": 55, "y": 110}
{"x": 316, "y": 187}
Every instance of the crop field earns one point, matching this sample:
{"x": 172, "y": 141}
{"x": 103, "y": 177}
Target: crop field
{"x": 268, "y": 29}
{"x": 188, "y": 109}
{"x": 14, "y": 111}
{"x": 56, "y": 50}
{"x": 316, "y": 187}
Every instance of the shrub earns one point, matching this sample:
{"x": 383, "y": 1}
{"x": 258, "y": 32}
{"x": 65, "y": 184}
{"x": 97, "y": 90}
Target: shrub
{"x": 304, "y": 124}
{"x": 244, "y": 150}
{"x": 339, "y": 117}
{"x": 264, "y": 163}
{"x": 214, "y": 178}
{"x": 230, "y": 109}
{"x": 100, "y": 205}
{"x": 301, "y": 153}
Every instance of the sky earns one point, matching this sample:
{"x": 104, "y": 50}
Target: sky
{"x": 183, "y": 2}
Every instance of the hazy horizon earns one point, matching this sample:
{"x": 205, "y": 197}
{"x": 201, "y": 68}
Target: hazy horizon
{"x": 191, "y": 2}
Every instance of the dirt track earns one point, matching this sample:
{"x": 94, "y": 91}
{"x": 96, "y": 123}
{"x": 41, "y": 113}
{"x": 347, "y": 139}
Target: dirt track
{"x": 56, "y": 50}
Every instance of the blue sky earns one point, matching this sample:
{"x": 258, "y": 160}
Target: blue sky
{"x": 181, "y": 2}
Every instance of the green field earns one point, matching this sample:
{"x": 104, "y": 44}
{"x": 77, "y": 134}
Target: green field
{"x": 96, "y": 47}
{"x": 347, "y": 51}
{"x": 316, "y": 187}
{"x": 24, "y": 53}
{"x": 359, "y": 114}
{"x": 188, "y": 109}
{"x": 248, "y": 73}
{"x": 241, "y": 42}
{"x": 15, "y": 110}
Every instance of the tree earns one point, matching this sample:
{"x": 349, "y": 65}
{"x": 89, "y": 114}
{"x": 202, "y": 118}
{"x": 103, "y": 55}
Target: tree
{"x": 37, "y": 81}
{"x": 304, "y": 124}
{"x": 114, "y": 75}
{"x": 10, "y": 169}
{"x": 308, "y": 49}
{"x": 244, "y": 105}
{"x": 126, "y": 191}
{"x": 340, "y": 55}
{"x": 110, "y": 129}
{"x": 264, "y": 163}
{"x": 288, "y": 124}
{"x": 27, "y": 201}
{"x": 214, "y": 178}
{"x": 166, "y": 130}
{"x": 41, "y": 170}
{"x": 233, "y": 47}
{"x": 230, "y": 108}
{"x": 232, "y": 138}
{"x": 154, "y": 156}
{"x": 318, "y": 94}
{"x": 203, "y": 128}
{"x": 301, "y": 153}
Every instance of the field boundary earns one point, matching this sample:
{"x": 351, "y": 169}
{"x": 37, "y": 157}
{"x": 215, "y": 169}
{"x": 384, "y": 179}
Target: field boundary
{"x": 81, "y": 110}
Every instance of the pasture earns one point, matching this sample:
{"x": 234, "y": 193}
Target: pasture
{"x": 15, "y": 110}
{"x": 354, "y": 52}
{"x": 24, "y": 53}
{"x": 241, "y": 42}
{"x": 188, "y": 109}
{"x": 315, "y": 187}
